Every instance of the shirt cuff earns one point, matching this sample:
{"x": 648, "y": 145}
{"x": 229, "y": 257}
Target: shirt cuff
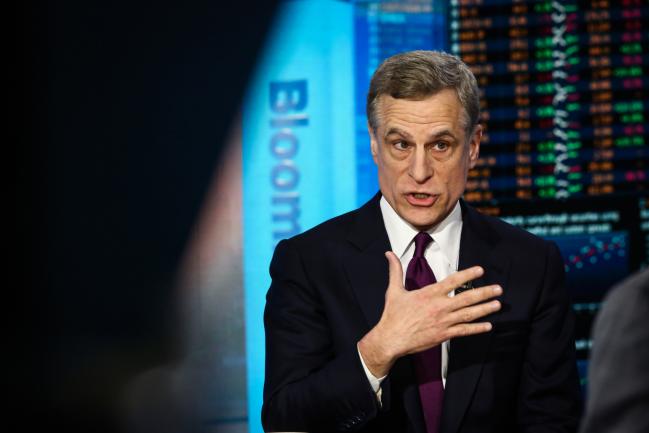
{"x": 375, "y": 382}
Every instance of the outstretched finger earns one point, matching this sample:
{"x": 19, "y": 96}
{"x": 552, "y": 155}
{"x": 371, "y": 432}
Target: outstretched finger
{"x": 476, "y": 296}
{"x": 395, "y": 270}
{"x": 473, "y": 312}
{"x": 457, "y": 279}
{"x": 465, "y": 329}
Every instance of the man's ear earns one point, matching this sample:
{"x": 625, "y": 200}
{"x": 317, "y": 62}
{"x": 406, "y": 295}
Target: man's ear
{"x": 374, "y": 145}
{"x": 474, "y": 146}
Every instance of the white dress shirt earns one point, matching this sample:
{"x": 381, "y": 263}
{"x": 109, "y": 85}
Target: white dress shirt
{"x": 442, "y": 255}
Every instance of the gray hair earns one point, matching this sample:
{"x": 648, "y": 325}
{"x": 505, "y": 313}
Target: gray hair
{"x": 419, "y": 74}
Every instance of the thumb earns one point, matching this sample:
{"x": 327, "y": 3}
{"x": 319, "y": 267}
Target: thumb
{"x": 395, "y": 280}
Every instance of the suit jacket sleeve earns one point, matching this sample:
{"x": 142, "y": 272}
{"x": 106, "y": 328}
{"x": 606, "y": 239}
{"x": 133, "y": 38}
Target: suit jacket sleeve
{"x": 310, "y": 385}
{"x": 549, "y": 390}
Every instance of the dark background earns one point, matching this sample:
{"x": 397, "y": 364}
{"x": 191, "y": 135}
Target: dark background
{"x": 121, "y": 112}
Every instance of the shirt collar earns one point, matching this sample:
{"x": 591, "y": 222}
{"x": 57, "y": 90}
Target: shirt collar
{"x": 401, "y": 233}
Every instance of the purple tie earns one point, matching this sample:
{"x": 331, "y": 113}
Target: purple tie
{"x": 428, "y": 364}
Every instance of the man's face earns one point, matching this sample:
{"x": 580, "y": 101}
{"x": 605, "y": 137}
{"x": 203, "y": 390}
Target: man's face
{"x": 423, "y": 155}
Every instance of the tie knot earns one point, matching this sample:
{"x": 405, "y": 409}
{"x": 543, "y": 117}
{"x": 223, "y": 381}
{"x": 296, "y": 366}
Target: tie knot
{"x": 421, "y": 242}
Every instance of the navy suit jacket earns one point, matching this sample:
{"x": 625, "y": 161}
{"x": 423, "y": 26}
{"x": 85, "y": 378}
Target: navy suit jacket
{"x": 327, "y": 291}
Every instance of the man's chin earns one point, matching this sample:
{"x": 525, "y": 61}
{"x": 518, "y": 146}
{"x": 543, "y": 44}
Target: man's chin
{"x": 422, "y": 224}
{"x": 422, "y": 218}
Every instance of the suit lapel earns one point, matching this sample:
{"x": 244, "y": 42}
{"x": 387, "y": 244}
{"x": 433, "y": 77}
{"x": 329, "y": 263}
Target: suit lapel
{"x": 478, "y": 246}
{"x": 366, "y": 265}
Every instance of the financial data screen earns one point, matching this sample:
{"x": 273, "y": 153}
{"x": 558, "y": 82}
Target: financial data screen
{"x": 565, "y": 94}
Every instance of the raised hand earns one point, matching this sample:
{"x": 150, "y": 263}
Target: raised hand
{"x": 413, "y": 321}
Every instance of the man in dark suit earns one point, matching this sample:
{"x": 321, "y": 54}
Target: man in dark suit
{"x": 427, "y": 354}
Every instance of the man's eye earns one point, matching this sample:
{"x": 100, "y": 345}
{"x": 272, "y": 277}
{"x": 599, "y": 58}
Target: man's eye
{"x": 440, "y": 145}
{"x": 400, "y": 145}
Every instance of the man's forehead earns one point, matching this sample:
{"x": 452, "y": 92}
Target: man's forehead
{"x": 442, "y": 107}
{"x": 438, "y": 132}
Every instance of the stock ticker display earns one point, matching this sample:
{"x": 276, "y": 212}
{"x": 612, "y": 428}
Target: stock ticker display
{"x": 565, "y": 98}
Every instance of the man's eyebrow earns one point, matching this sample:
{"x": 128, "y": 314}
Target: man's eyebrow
{"x": 444, "y": 133}
{"x": 398, "y": 131}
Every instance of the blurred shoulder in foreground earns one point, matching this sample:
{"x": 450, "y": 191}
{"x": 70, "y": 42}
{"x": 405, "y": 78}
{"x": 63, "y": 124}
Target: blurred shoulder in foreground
{"x": 618, "y": 391}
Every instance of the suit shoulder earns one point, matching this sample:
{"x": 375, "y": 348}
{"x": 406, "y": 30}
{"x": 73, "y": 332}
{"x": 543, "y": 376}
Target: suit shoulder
{"x": 332, "y": 229}
{"x": 632, "y": 291}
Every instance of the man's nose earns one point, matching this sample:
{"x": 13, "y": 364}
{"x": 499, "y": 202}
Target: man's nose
{"x": 421, "y": 168}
